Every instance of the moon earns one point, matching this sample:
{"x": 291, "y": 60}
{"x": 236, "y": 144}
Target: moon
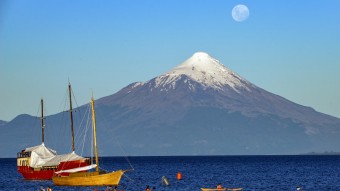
{"x": 240, "y": 13}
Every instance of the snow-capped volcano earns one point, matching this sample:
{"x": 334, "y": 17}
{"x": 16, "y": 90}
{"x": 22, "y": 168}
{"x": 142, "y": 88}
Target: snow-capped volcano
{"x": 207, "y": 71}
{"x": 201, "y": 106}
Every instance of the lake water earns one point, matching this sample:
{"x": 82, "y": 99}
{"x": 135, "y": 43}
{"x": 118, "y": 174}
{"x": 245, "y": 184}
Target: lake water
{"x": 248, "y": 172}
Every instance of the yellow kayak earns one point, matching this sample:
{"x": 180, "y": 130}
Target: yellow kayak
{"x": 221, "y": 189}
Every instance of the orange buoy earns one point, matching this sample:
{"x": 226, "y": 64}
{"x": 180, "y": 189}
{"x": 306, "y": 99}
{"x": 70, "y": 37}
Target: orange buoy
{"x": 179, "y": 176}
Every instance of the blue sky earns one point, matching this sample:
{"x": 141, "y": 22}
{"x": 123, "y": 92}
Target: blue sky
{"x": 290, "y": 48}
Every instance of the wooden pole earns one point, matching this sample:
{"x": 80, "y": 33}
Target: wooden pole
{"x": 42, "y": 122}
{"x": 71, "y": 115}
{"x": 94, "y": 134}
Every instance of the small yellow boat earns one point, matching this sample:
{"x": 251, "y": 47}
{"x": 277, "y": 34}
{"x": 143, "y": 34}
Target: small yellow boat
{"x": 213, "y": 189}
{"x": 221, "y": 189}
{"x": 89, "y": 179}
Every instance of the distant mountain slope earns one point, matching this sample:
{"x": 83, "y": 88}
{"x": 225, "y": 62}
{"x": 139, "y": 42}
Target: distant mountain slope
{"x": 2, "y": 122}
{"x": 202, "y": 107}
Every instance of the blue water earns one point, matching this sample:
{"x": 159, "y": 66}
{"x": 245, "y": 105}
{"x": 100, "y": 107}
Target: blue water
{"x": 248, "y": 172}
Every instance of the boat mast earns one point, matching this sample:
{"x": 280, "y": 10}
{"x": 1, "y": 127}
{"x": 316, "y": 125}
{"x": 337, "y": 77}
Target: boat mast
{"x": 71, "y": 115}
{"x": 42, "y": 122}
{"x": 94, "y": 133}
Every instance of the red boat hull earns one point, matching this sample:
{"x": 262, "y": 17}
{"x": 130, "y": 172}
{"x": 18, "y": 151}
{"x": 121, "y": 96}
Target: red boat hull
{"x": 47, "y": 173}
{"x": 32, "y": 174}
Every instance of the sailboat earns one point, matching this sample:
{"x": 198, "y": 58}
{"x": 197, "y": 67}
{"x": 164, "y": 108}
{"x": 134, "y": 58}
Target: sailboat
{"x": 94, "y": 178}
{"x": 40, "y": 162}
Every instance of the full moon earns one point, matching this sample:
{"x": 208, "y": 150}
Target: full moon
{"x": 240, "y": 13}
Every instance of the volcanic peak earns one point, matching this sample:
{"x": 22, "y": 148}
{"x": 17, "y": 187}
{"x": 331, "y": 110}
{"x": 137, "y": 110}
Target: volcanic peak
{"x": 206, "y": 70}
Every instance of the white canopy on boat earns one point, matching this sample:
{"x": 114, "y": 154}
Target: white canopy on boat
{"x": 56, "y": 160}
{"x": 40, "y": 155}
{"x": 84, "y": 168}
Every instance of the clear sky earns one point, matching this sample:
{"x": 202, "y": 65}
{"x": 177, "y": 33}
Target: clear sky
{"x": 290, "y": 48}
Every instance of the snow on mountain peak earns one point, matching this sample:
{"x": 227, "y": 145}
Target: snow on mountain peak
{"x": 206, "y": 70}
{"x": 201, "y": 54}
